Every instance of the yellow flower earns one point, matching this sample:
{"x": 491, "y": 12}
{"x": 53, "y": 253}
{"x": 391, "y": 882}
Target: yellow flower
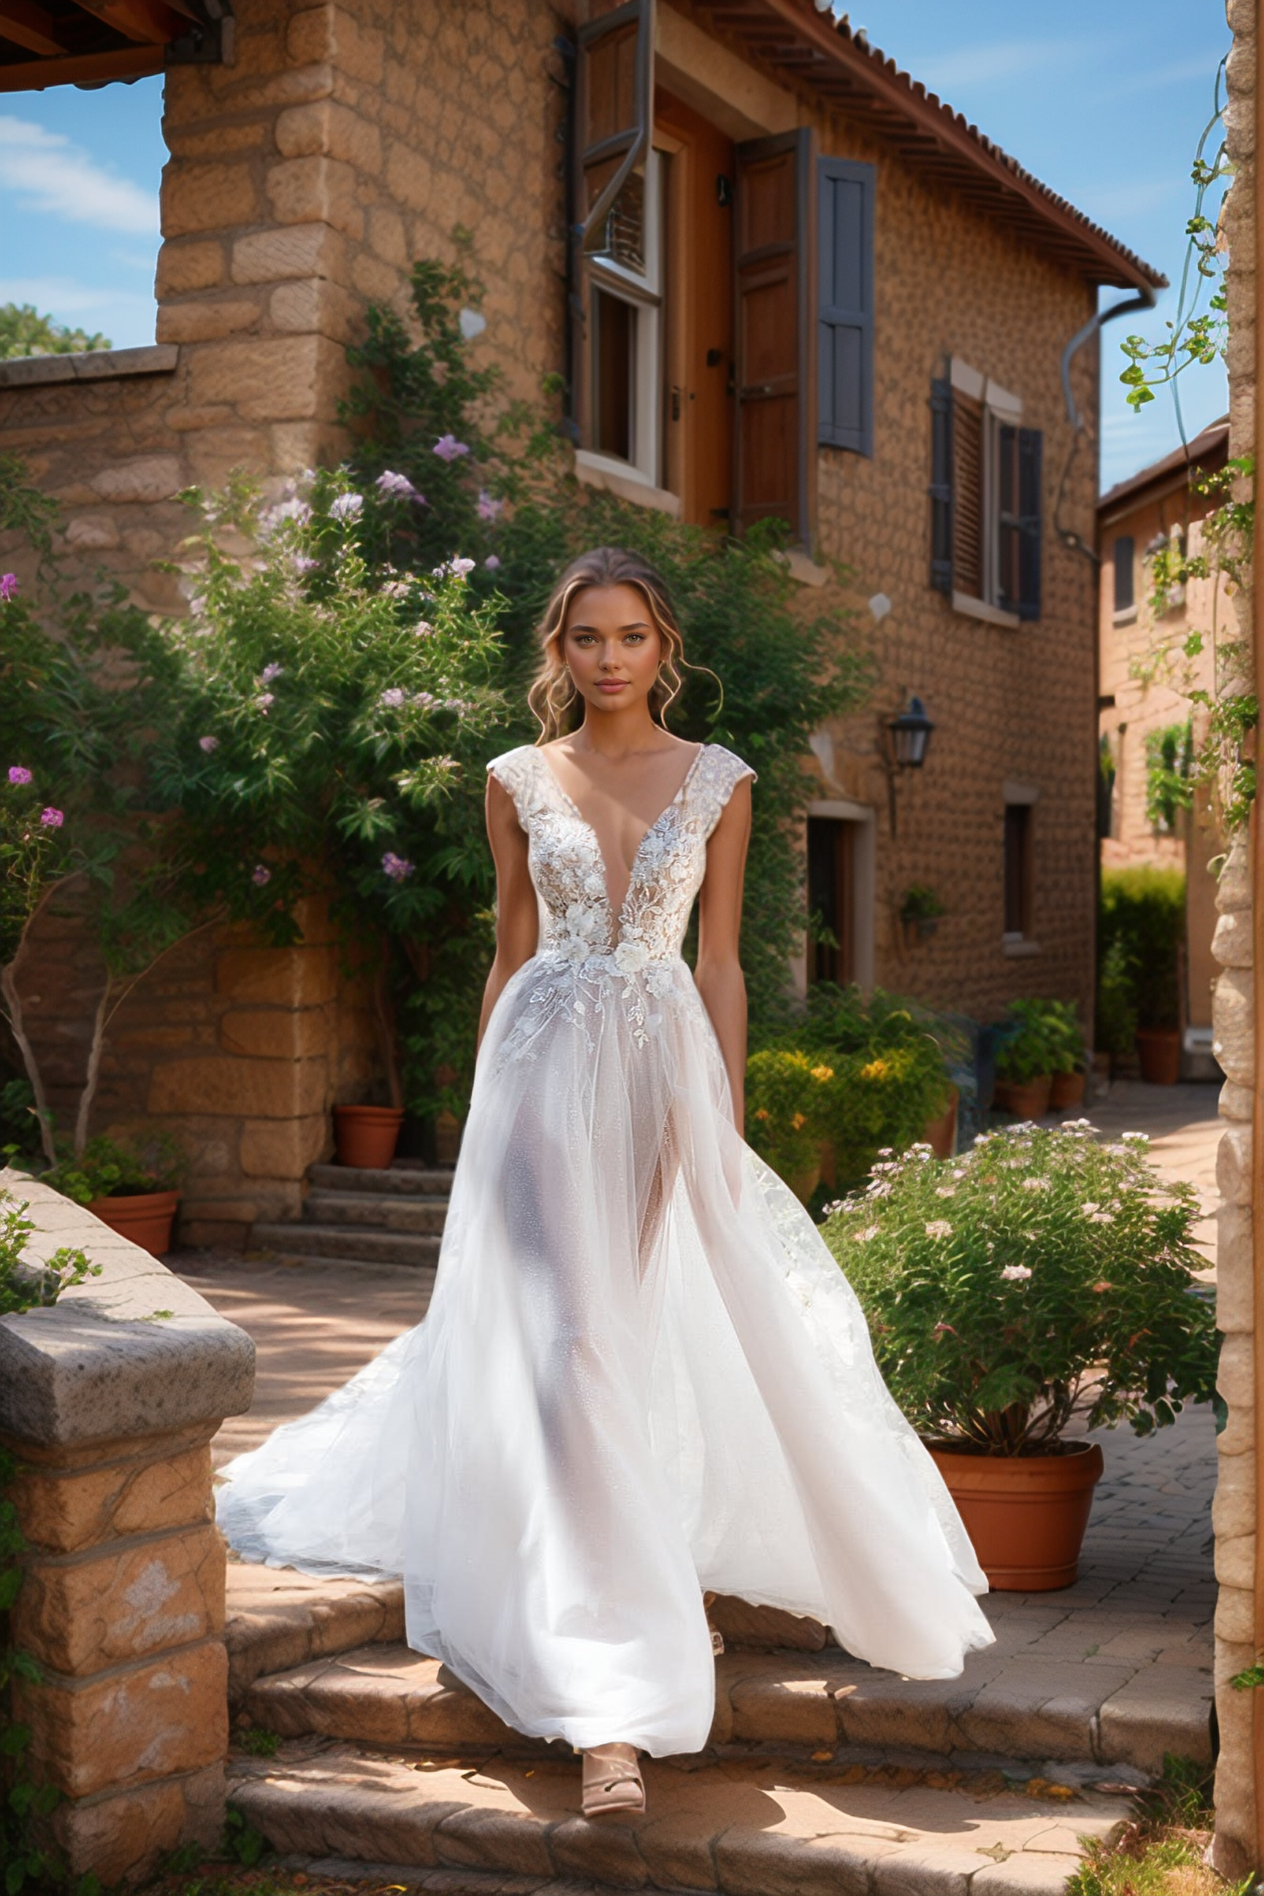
{"x": 761, "y": 1112}
{"x": 876, "y": 1070}
{"x": 822, "y": 1073}
{"x": 797, "y": 1121}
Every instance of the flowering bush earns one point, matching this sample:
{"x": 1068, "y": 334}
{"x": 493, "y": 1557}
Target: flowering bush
{"x": 1039, "y": 1276}
{"x": 784, "y": 1094}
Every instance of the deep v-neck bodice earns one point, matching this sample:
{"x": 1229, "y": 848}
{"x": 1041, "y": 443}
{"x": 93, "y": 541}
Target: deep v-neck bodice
{"x": 617, "y": 908}
{"x": 579, "y": 923}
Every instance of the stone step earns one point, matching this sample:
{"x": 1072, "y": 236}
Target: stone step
{"x": 406, "y": 1178}
{"x": 780, "y": 1703}
{"x": 378, "y": 1211}
{"x": 347, "y": 1244}
{"x": 754, "y": 1829}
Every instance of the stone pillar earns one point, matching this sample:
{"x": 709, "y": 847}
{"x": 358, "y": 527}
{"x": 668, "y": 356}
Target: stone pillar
{"x": 108, "y": 1402}
{"x": 1235, "y": 1848}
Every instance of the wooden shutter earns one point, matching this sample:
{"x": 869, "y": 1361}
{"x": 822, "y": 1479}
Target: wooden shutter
{"x": 845, "y": 193}
{"x": 1018, "y": 524}
{"x": 941, "y": 486}
{"x": 968, "y": 488}
{"x": 613, "y": 107}
{"x": 775, "y": 330}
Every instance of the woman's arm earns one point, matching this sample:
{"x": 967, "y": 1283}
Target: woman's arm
{"x": 719, "y": 972}
{"x": 517, "y": 911}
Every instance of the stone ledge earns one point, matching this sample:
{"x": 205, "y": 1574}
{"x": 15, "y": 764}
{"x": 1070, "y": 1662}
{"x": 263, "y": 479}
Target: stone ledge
{"x": 101, "y": 1362}
{"x": 89, "y": 365}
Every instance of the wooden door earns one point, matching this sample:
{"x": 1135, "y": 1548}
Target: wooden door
{"x": 775, "y": 334}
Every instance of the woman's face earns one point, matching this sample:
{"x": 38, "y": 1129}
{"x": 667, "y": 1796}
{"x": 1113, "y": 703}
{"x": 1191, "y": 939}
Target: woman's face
{"x": 612, "y": 646}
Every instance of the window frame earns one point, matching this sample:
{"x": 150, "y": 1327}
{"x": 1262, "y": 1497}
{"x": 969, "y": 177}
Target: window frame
{"x": 965, "y": 397}
{"x": 644, "y": 293}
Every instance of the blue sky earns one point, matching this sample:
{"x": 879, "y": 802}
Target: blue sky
{"x": 1103, "y": 102}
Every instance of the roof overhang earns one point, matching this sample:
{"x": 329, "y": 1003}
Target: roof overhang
{"x": 803, "y": 47}
{"x": 90, "y": 42}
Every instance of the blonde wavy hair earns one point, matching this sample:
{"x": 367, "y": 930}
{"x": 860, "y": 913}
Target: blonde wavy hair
{"x": 552, "y": 695}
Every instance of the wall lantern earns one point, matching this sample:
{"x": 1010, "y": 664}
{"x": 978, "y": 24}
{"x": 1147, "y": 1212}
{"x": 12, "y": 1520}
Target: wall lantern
{"x": 908, "y": 738}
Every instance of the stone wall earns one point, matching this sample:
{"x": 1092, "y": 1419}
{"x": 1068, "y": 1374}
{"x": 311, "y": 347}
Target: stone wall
{"x": 1234, "y": 1516}
{"x": 237, "y": 1049}
{"x": 108, "y": 1402}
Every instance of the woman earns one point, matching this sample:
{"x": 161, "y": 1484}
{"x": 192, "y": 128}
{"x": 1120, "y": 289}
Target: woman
{"x": 642, "y": 1374}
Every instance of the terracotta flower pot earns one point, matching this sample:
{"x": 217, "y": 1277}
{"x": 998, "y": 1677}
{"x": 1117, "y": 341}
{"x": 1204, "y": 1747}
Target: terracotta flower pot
{"x": 1025, "y": 1514}
{"x": 1159, "y": 1051}
{"x": 941, "y": 1134}
{"x": 146, "y": 1218}
{"x": 1067, "y": 1090}
{"x": 366, "y": 1135}
{"x": 1029, "y": 1099}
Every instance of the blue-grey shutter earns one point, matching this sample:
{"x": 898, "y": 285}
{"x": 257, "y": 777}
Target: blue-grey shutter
{"x": 845, "y": 192}
{"x": 1030, "y": 446}
{"x": 941, "y": 509}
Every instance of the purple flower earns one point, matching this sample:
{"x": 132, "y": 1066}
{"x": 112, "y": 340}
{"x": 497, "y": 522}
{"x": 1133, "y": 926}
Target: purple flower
{"x": 52, "y": 819}
{"x": 423, "y": 629}
{"x": 396, "y": 867}
{"x": 392, "y": 697}
{"x": 270, "y": 672}
{"x": 19, "y": 774}
{"x": 265, "y": 701}
{"x": 262, "y": 875}
{"x": 488, "y": 509}
{"x": 397, "y": 486}
{"x": 347, "y": 507}
{"x": 460, "y": 568}
{"x": 448, "y": 448}
{"x": 304, "y": 563}
{"x": 8, "y": 585}
{"x": 296, "y": 510}
{"x": 492, "y": 563}
{"x": 426, "y": 699}
{"x": 208, "y": 744}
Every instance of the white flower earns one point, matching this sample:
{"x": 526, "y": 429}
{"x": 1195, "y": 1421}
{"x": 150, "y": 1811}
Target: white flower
{"x": 879, "y": 1189}
{"x": 581, "y": 920}
{"x": 423, "y": 629}
{"x": 945, "y": 1191}
{"x": 939, "y": 1228}
{"x": 461, "y": 567}
{"x": 658, "y": 979}
{"x": 1102, "y": 1217}
{"x": 863, "y": 1237}
{"x": 392, "y": 697}
{"x": 594, "y": 884}
{"x": 1035, "y": 1184}
{"x": 630, "y": 957}
{"x": 1016, "y": 1273}
{"x": 347, "y": 507}
{"x": 1089, "y": 1207}
{"x": 1136, "y": 1138}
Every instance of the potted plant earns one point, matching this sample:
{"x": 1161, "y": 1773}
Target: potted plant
{"x": 919, "y": 913}
{"x": 367, "y": 1135}
{"x": 1141, "y": 936}
{"x": 131, "y": 1184}
{"x": 1024, "y": 1063}
{"x": 1067, "y": 1052}
{"x": 1039, "y": 1280}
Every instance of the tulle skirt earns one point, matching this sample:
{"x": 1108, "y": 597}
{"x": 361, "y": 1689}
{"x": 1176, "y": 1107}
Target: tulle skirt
{"x": 641, "y": 1375}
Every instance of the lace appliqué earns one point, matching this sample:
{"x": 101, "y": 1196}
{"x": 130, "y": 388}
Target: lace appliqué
{"x": 589, "y": 955}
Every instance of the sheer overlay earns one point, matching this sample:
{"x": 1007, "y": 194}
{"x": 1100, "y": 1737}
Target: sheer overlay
{"x": 642, "y": 1374}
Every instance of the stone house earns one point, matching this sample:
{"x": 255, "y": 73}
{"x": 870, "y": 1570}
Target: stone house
{"x": 1143, "y": 679}
{"x": 781, "y": 278}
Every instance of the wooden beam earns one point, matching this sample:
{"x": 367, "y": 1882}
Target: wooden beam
{"x": 25, "y": 24}
{"x": 127, "y": 62}
{"x": 150, "y": 22}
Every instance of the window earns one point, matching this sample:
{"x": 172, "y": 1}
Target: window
{"x": 845, "y": 280}
{"x": 832, "y": 898}
{"x": 1124, "y": 559}
{"x": 985, "y": 499}
{"x": 1018, "y": 871}
{"x": 624, "y": 355}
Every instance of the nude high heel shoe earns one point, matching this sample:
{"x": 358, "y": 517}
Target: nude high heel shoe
{"x": 612, "y": 1780}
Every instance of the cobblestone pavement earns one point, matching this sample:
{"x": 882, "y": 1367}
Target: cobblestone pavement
{"x": 1137, "y": 1624}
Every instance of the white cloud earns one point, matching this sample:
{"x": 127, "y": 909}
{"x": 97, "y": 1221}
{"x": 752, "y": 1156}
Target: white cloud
{"x": 1003, "y": 60}
{"x": 45, "y": 172}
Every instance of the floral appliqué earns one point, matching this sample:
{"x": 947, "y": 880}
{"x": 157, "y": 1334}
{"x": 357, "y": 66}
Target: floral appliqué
{"x": 589, "y": 956}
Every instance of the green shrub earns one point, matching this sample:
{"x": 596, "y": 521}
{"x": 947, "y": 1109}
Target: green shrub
{"x": 1038, "y": 1276}
{"x": 1045, "y": 1037}
{"x": 785, "y": 1111}
{"x": 1140, "y": 932}
{"x": 152, "y": 1161}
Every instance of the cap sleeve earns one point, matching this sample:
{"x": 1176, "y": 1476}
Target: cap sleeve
{"x": 725, "y": 770}
{"x": 515, "y": 771}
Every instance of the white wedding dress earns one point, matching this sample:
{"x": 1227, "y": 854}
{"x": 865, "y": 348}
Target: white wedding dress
{"x": 642, "y": 1373}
